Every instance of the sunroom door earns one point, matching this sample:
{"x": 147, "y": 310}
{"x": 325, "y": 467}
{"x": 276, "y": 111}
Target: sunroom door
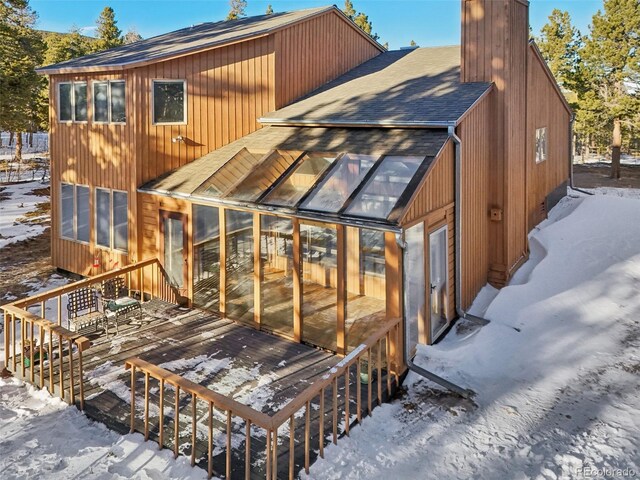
{"x": 174, "y": 249}
{"x": 439, "y": 281}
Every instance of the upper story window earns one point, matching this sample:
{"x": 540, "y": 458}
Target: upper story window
{"x": 169, "y": 101}
{"x": 72, "y": 101}
{"x": 541, "y": 144}
{"x": 109, "y": 102}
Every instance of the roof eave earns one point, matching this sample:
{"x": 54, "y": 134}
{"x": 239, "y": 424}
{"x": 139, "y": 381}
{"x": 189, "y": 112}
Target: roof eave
{"x": 297, "y": 122}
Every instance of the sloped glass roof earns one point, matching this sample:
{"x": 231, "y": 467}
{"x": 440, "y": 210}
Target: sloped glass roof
{"x": 323, "y": 185}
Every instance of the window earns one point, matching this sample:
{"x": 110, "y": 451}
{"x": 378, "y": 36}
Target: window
{"x": 541, "y": 144}
{"x": 74, "y": 215}
{"x": 109, "y": 102}
{"x": 112, "y": 226}
{"x": 72, "y": 102}
{"x": 169, "y": 101}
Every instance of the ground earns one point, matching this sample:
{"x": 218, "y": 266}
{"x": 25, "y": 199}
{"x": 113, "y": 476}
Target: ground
{"x": 556, "y": 374}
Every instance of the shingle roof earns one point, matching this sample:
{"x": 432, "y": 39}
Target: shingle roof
{"x": 391, "y": 141}
{"x": 194, "y": 38}
{"x": 398, "y": 88}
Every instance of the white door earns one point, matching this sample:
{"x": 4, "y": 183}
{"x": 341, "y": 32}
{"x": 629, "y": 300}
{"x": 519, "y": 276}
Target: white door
{"x": 439, "y": 281}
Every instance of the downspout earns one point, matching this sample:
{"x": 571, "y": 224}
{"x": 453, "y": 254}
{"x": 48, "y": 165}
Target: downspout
{"x": 571, "y": 186}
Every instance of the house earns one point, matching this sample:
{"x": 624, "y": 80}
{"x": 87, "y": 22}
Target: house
{"x": 402, "y": 180}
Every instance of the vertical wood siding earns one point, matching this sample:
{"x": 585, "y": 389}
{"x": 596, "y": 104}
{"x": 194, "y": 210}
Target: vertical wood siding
{"x": 544, "y": 177}
{"x": 311, "y": 53}
{"x": 495, "y": 39}
{"x": 228, "y": 89}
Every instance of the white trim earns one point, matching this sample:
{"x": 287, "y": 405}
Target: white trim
{"x": 184, "y": 98}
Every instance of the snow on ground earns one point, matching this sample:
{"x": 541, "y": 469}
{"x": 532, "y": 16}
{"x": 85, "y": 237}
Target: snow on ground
{"x": 557, "y": 371}
{"x": 42, "y": 437}
{"x": 595, "y": 158}
{"x": 19, "y": 202}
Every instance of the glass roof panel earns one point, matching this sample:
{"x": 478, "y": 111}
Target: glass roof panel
{"x": 301, "y": 179}
{"x": 336, "y": 188}
{"x": 382, "y": 191}
{"x": 229, "y": 174}
{"x": 263, "y": 176}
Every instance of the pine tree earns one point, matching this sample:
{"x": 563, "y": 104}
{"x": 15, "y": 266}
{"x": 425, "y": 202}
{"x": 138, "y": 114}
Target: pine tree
{"x": 610, "y": 60}
{"x": 269, "y": 10}
{"x": 66, "y": 47}
{"x": 560, "y": 43}
{"x": 237, "y": 10}
{"x": 109, "y": 35}
{"x": 131, "y": 36}
{"x": 21, "y": 51}
{"x": 413, "y": 43}
{"x": 360, "y": 19}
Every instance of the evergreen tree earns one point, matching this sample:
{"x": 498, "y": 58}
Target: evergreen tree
{"x": 386, "y": 45}
{"x": 21, "y": 51}
{"x": 560, "y": 43}
{"x": 269, "y": 10}
{"x": 131, "y": 36}
{"x": 413, "y": 43}
{"x": 67, "y": 46}
{"x": 237, "y": 10}
{"x": 360, "y": 19}
{"x": 610, "y": 63}
{"x": 109, "y": 35}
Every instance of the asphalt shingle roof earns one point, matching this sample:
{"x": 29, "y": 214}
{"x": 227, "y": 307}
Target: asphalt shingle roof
{"x": 398, "y": 88}
{"x": 178, "y": 42}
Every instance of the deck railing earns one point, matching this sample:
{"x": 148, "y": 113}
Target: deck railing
{"x": 46, "y": 353}
{"x": 381, "y": 362}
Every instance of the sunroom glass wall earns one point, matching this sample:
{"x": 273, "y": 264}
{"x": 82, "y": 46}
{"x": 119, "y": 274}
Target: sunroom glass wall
{"x": 239, "y": 300}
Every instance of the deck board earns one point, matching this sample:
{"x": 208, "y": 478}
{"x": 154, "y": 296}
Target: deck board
{"x": 251, "y": 366}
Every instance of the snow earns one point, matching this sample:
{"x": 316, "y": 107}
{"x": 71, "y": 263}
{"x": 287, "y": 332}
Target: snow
{"x": 556, "y": 372}
{"x": 42, "y": 437}
{"x": 14, "y": 226}
{"x": 625, "y": 159}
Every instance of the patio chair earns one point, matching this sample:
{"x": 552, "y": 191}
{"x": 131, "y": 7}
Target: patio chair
{"x": 117, "y": 305}
{"x": 82, "y": 309}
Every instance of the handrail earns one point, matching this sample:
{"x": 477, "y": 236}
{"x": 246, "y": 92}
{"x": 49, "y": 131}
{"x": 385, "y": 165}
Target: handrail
{"x": 82, "y": 283}
{"x": 273, "y": 422}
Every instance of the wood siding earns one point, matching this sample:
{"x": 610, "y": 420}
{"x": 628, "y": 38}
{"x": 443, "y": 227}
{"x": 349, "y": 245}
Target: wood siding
{"x": 228, "y": 89}
{"x": 544, "y": 177}
{"x": 495, "y": 41}
{"x": 313, "y": 52}
{"x": 476, "y": 172}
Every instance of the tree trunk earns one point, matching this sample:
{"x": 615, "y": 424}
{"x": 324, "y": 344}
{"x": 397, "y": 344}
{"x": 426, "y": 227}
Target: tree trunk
{"x": 18, "y": 147}
{"x": 30, "y": 139}
{"x": 615, "y": 149}
{"x": 10, "y": 138}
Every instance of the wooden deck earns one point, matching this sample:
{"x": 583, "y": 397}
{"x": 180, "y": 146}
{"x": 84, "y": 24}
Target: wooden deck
{"x": 253, "y": 367}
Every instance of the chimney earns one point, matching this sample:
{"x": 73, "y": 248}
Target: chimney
{"x": 495, "y": 39}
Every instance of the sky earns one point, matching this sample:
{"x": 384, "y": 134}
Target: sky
{"x": 428, "y": 22}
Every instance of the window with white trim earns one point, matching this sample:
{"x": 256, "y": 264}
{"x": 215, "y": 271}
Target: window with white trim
{"x": 169, "y": 101}
{"x": 541, "y": 144}
{"x": 72, "y": 101}
{"x": 74, "y": 212}
{"x": 109, "y": 104}
{"x": 112, "y": 219}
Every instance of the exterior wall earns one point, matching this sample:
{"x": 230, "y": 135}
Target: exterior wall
{"x": 477, "y": 174}
{"x": 311, "y": 53}
{"x": 495, "y": 40}
{"x": 434, "y": 204}
{"x": 544, "y": 177}
{"x": 228, "y": 89}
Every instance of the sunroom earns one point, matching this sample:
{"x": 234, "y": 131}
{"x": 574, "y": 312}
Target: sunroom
{"x": 315, "y": 234}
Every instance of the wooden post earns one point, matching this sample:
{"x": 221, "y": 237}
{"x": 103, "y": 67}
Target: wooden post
{"x": 247, "y": 452}
{"x": 7, "y": 339}
{"x": 176, "y": 424}
{"x": 193, "y": 428}
{"x": 297, "y": 283}
{"x": 31, "y": 351}
{"x": 133, "y": 399}
{"x": 274, "y": 464}
{"x": 307, "y": 437}
{"x": 59, "y": 302}
{"x": 269, "y": 435}
{"x": 321, "y": 431}
{"x": 394, "y": 289}
{"x": 161, "y": 416}
{"x": 223, "y": 263}
{"x": 335, "y": 410}
{"x": 81, "y": 375}
{"x": 51, "y": 384}
{"x": 146, "y": 406}
{"x": 347, "y": 384}
{"x": 370, "y": 378}
{"x": 61, "y": 363}
{"x": 257, "y": 272}
{"x": 22, "y": 332}
{"x": 71, "y": 379}
{"x": 379, "y": 362}
{"x": 13, "y": 343}
{"x": 41, "y": 359}
{"x": 228, "y": 452}
{"x": 341, "y": 290}
{"x": 210, "y": 442}
{"x": 292, "y": 432}
{"x": 358, "y": 390}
